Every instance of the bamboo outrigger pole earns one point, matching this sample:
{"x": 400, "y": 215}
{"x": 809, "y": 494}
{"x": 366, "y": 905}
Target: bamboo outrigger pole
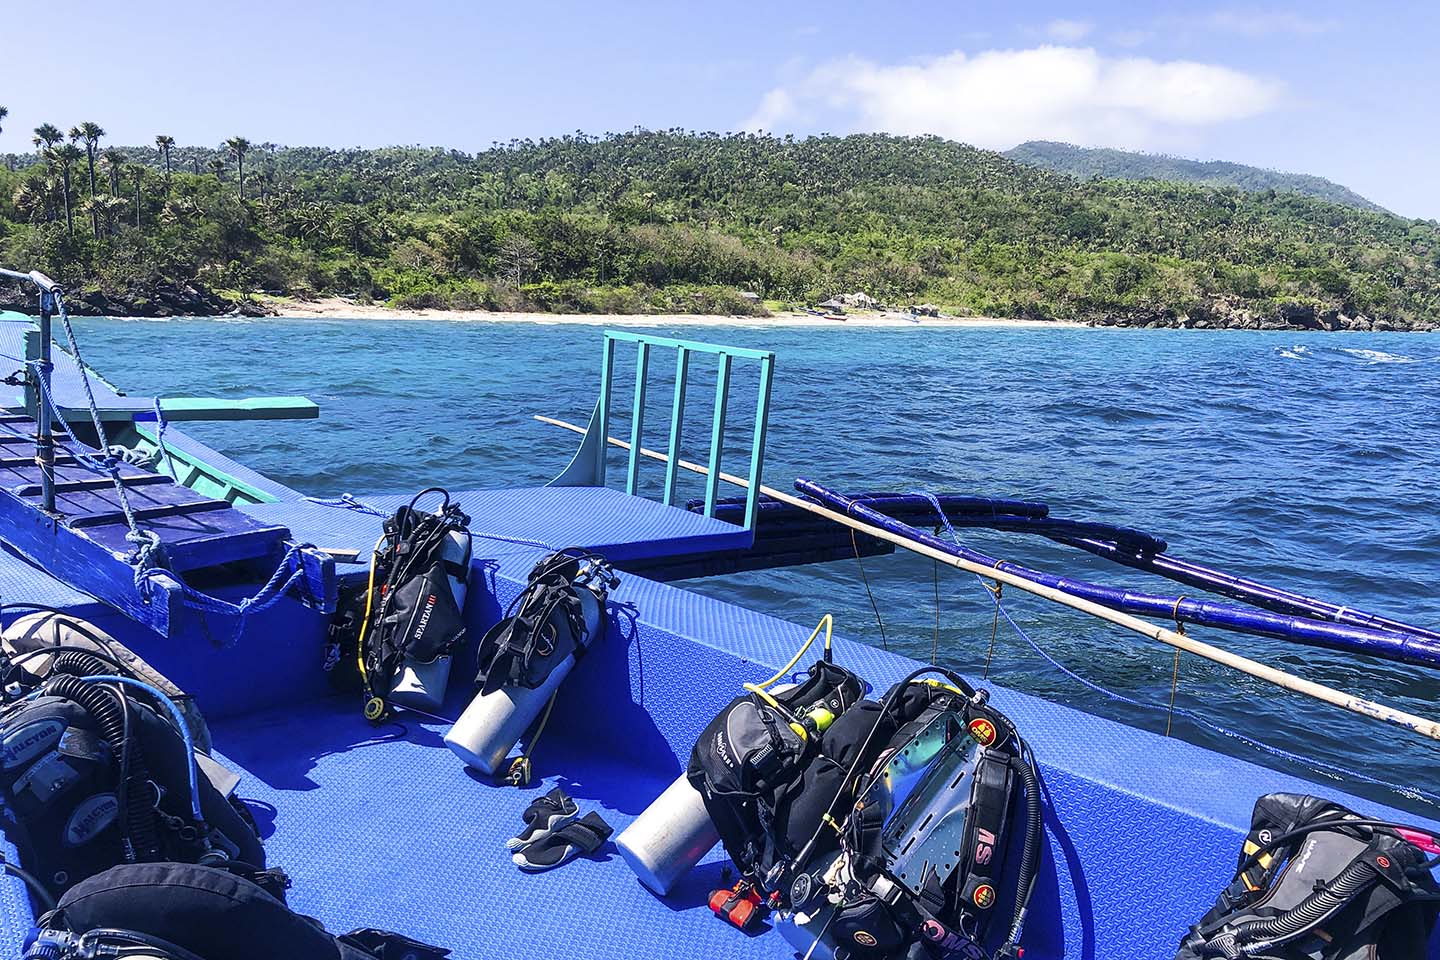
{"x": 1280, "y": 678}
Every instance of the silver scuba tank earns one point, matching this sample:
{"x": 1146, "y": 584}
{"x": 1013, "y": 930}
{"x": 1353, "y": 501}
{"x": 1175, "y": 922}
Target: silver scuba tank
{"x": 494, "y": 722}
{"x": 669, "y": 838}
{"x": 673, "y": 834}
{"x": 418, "y": 684}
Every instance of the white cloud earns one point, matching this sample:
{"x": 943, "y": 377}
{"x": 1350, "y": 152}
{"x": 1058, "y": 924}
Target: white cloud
{"x": 1002, "y": 97}
{"x": 1265, "y": 23}
{"x": 1069, "y": 31}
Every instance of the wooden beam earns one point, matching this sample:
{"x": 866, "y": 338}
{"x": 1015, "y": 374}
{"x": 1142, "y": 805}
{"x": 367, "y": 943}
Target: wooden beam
{"x": 1280, "y": 678}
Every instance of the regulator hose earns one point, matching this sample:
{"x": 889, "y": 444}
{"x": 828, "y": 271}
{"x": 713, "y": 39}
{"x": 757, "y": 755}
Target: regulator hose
{"x": 1250, "y": 937}
{"x": 142, "y": 839}
{"x": 1030, "y": 855}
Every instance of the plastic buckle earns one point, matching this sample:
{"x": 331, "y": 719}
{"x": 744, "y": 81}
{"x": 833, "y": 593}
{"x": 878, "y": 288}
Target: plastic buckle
{"x": 741, "y": 907}
{"x": 519, "y": 774}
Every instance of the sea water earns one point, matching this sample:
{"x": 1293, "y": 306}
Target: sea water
{"x": 1311, "y": 461}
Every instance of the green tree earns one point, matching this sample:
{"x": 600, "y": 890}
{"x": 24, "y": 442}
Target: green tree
{"x": 165, "y": 143}
{"x": 65, "y": 156}
{"x": 115, "y": 161}
{"x": 137, "y": 173}
{"x": 90, "y": 133}
{"x": 239, "y": 146}
{"x": 46, "y": 136}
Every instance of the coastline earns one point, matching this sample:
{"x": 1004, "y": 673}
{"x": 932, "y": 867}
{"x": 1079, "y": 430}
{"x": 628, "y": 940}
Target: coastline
{"x": 335, "y": 308}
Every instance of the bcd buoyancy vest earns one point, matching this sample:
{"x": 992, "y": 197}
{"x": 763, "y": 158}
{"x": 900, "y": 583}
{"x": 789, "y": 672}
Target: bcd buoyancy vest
{"x": 835, "y": 827}
{"x": 95, "y": 773}
{"x": 1316, "y": 881}
{"x": 547, "y": 622}
{"x": 415, "y": 604}
{"x": 172, "y": 911}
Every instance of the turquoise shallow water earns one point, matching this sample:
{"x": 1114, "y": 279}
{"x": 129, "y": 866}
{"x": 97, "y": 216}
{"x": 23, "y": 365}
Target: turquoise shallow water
{"x": 1308, "y": 460}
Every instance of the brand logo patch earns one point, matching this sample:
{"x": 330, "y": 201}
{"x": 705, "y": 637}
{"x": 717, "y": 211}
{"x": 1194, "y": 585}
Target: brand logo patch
{"x": 984, "y": 896}
{"x": 865, "y": 939}
{"x": 21, "y": 746}
{"x": 983, "y": 731}
{"x": 984, "y": 846}
{"x": 1383, "y": 862}
{"x": 93, "y": 815}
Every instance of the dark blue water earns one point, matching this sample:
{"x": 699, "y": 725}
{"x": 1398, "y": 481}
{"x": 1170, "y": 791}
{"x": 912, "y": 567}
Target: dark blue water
{"x": 1312, "y": 461}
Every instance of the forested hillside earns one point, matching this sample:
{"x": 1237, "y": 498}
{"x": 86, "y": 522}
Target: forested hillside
{"x": 1128, "y": 165}
{"x": 672, "y": 221}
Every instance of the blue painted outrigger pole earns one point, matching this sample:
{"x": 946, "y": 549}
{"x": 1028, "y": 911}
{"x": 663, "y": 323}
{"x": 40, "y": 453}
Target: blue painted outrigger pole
{"x": 1390, "y": 645}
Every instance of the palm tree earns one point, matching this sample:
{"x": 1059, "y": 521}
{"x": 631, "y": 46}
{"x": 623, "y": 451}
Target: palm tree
{"x": 115, "y": 161}
{"x": 136, "y": 171}
{"x": 90, "y": 132}
{"x": 164, "y": 144}
{"x": 5, "y": 112}
{"x": 238, "y": 147}
{"x": 66, "y": 156}
{"x": 46, "y": 136}
{"x": 217, "y": 167}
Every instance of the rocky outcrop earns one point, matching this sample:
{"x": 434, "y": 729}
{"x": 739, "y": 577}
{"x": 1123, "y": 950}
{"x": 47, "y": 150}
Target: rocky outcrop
{"x": 160, "y": 300}
{"x": 1226, "y": 314}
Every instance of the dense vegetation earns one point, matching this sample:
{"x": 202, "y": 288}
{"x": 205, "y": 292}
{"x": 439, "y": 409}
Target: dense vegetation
{"x": 672, "y": 221}
{"x": 1128, "y": 165}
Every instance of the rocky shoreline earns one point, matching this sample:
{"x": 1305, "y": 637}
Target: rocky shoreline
{"x": 164, "y": 300}
{"x": 1235, "y": 315}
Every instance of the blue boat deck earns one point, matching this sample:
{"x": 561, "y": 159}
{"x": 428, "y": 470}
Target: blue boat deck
{"x": 384, "y": 826}
{"x": 623, "y": 528}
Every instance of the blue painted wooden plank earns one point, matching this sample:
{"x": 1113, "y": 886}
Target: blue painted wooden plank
{"x": 147, "y": 515}
{"x": 104, "y": 501}
{"x": 79, "y": 562}
{"x": 91, "y": 483}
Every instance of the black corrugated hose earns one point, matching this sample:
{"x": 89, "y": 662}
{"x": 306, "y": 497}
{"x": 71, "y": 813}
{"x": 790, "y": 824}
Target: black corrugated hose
{"x": 109, "y": 710}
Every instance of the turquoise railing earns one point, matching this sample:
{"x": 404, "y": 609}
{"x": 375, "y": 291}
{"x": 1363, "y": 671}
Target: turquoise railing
{"x": 588, "y": 466}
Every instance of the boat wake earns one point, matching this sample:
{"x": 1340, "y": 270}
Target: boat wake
{"x": 1368, "y": 358}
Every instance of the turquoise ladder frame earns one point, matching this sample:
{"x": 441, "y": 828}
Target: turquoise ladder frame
{"x": 587, "y": 469}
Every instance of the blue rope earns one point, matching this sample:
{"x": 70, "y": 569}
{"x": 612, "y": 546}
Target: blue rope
{"x": 287, "y": 573}
{"x": 1333, "y": 769}
{"x": 160, "y": 439}
{"x": 348, "y": 501}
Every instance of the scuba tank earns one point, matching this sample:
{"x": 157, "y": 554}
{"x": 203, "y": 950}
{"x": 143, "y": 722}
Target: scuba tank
{"x": 527, "y": 655}
{"x": 891, "y": 838}
{"x": 421, "y": 684}
{"x": 413, "y": 606}
{"x": 669, "y": 838}
{"x": 756, "y": 744}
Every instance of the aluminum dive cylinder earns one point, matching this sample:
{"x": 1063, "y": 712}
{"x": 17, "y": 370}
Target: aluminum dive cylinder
{"x": 418, "y": 684}
{"x": 669, "y": 838}
{"x": 672, "y": 835}
{"x": 494, "y": 722}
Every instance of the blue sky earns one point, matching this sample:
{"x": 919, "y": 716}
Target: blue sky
{"x": 1344, "y": 90}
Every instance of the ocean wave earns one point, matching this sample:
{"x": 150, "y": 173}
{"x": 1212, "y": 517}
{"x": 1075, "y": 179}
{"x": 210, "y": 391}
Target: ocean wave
{"x": 1361, "y": 355}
